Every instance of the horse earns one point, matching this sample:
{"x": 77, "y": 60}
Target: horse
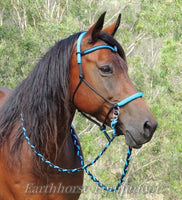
{"x": 48, "y": 99}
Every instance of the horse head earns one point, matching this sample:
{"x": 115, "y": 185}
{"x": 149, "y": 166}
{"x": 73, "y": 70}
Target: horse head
{"x": 101, "y": 80}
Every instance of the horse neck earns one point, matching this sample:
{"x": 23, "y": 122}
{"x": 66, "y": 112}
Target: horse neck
{"x": 64, "y": 144}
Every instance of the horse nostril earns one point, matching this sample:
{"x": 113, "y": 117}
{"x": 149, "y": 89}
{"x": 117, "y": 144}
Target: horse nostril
{"x": 149, "y": 129}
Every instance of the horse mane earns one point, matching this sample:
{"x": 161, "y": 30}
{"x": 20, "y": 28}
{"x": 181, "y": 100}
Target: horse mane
{"x": 43, "y": 99}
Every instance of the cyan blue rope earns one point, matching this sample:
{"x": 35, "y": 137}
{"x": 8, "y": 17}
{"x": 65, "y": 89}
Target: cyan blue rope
{"x": 78, "y": 54}
{"x": 76, "y": 144}
{"x": 109, "y": 189}
{"x": 99, "y": 183}
{"x": 114, "y": 49}
{"x": 83, "y": 166}
{"x": 130, "y": 98}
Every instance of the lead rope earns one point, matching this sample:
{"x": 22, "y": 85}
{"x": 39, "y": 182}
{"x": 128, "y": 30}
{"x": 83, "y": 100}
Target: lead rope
{"x": 83, "y": 166}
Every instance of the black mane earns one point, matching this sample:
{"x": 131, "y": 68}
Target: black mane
{"x": 43, "y": 99}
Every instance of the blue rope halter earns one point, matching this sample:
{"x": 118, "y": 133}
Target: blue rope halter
{"x": 114, "y": 121}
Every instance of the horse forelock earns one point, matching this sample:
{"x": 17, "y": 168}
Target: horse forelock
{"x": 110, "y": 40}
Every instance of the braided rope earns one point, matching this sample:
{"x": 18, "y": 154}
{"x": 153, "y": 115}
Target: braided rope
{"x": 104, "y": 187}
{"x": 99, "y": 183}
{"x": 76, "y": 144}
{"x": 83, "y": 166}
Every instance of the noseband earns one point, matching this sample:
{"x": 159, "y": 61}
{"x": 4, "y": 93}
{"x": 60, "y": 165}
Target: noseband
{"x": 115, "y": 107}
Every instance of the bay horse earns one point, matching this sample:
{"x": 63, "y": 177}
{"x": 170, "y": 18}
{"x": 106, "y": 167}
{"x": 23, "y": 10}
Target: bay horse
{"x": 48, "y": 99}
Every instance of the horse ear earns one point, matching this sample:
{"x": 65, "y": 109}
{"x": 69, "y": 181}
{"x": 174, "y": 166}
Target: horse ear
{"x": 111, "y": 30}
{"x": 95, "y": 30}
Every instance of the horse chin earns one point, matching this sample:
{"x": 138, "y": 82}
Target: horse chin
{"x": 131, "y": 141}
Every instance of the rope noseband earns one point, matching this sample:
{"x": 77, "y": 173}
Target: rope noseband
{"x": 115, "y": 107}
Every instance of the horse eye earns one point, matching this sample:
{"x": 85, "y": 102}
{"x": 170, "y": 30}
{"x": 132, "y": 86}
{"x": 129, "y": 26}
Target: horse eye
{"x": 106, "y": 69}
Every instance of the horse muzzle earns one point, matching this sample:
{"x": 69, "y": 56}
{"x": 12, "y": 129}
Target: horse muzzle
{"x": 135, "y": 137}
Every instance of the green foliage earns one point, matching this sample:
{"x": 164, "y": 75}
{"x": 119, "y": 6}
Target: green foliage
{"x": 160, "y": 18}
{"x": 150, "y": 33}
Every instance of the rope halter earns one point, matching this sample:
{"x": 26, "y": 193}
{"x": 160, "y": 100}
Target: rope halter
{"x": 115, "y": 107}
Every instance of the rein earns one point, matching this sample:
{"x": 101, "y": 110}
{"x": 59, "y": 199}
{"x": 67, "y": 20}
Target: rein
{"x": 115, "y": 107}
{"x": 83, "y": 166}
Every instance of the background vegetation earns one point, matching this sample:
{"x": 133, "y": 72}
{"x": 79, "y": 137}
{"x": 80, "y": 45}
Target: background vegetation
{"x": 150, "y": 33}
